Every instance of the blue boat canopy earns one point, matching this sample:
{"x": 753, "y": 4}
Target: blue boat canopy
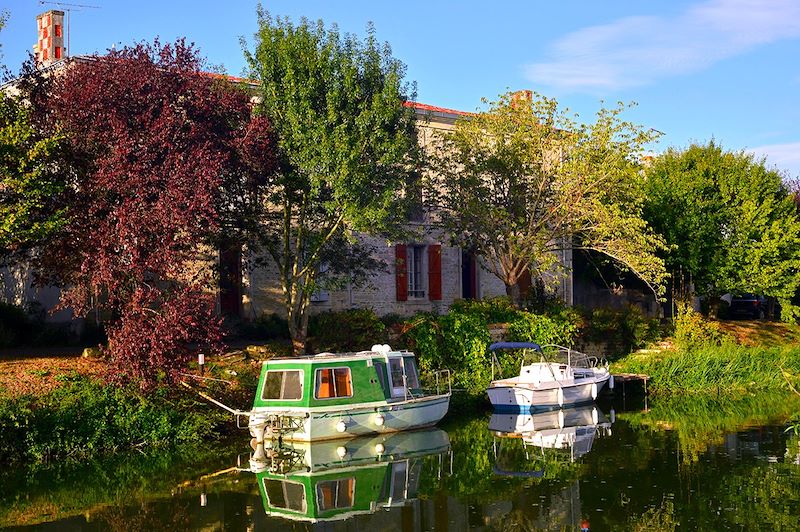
{"x": 515, "y": 345}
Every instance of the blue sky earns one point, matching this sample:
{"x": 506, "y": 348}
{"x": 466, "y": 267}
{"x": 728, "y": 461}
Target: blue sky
{"x": 726, "y": 69}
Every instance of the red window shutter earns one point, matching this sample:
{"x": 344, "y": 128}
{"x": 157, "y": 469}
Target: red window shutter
{"x": 435, "y": 272}
{"x": 401, "y": 269}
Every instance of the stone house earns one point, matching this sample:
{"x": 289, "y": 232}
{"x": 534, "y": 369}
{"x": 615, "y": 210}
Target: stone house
{"x": 423, "y": 275}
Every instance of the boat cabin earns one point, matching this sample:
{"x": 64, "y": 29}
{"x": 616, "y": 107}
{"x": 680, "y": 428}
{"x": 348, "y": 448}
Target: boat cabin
{"x": 331, "y": 379}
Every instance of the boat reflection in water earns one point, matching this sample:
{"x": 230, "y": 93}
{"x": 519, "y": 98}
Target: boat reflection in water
{"x": 334, "y": 480}
{"x": 570, "y": 429}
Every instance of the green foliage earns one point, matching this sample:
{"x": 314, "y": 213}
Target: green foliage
{"x": 692, "y": 330}
{"x": 559, "y": 329}
{"x": 628, "y": 329}
{"x": 494, "y": 310}
{"x": 348, "y": 149}
{"x": 348, "y": 330}
{"x": 730, "y": 223}
{"x": 523, "y": 180}
{"x": 85, "y": 418}
{"x": 265, "y": 327}
{"x": 706, "y": 368}
{"x": 31, "y": 187}
{"x": 460, "y": 339}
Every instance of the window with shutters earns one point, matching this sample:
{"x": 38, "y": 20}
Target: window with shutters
{"x": 416, "y": 271}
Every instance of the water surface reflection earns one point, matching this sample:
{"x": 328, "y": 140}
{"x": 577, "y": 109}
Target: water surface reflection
{"x": 681, "y": 464}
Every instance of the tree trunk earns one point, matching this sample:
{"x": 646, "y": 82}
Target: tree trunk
{"x": 514, "y": 293}
{"x": 297, "y": 316}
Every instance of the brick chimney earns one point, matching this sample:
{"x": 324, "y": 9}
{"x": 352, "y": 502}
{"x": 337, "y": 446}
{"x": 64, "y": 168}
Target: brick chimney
{"x": 49, "y": 47}
{"x": 524, "y": 97}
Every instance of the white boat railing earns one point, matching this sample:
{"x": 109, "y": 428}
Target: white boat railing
{"x": 568, "y": 356}
{"x": 439, "y": 377}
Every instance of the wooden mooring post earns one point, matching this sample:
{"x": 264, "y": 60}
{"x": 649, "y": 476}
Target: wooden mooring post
{"x": 634, "y": 378}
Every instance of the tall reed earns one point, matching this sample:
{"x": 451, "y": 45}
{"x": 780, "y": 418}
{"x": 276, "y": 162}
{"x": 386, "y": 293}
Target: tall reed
{"x": 716, "y": 369}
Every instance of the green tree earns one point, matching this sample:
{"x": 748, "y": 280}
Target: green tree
{"x": 32, "y": 188}
{"x": 523, "y": 182}
{"x": 731, "y": 223}
{"x": 347, "y": 148}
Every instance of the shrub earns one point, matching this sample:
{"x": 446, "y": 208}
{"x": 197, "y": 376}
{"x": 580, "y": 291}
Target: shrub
{"x": 14, "y": 325}
{"x": 495, "y": 310}
{"x": 265, "y": 327}
{"x": 560, "y": 329}
{"x": 348, "y": 330}
{"x": 85, "y": 417}
{"x": 629, "y": 328}
{"x": 692, "y": 330}
{"x": 460, "y": 339}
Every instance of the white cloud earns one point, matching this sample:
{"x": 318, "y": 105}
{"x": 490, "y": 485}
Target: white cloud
{"x": 635, "y": 51}
{"x": 785, "y": 157}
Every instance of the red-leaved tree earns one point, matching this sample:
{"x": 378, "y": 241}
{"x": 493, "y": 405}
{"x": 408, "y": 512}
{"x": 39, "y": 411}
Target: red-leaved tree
{"x": 165, "y": 159}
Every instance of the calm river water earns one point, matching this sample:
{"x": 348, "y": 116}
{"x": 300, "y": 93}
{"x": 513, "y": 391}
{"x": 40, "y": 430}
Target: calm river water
{"x": 678, "y": 464}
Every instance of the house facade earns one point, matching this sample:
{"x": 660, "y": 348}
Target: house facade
{"x": 425, "y": 274}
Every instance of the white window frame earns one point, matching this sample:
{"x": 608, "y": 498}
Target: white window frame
{"x": 302, "y": 384}
{"x": 316, "y": 383}
{"x": 417, "y": 280}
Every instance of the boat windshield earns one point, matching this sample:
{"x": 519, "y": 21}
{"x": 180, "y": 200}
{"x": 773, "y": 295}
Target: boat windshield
{"x": 285, "y": 385}
{"x": 564, "y": 355}
{"x": 412, "y": 379}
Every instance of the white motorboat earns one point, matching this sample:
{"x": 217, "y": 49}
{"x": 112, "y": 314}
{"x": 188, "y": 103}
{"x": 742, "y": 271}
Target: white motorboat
{"x": 560, "y": 377}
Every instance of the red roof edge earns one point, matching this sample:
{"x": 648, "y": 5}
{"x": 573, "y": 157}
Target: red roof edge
{"x": 414, "y": 105}
{"x": 425, "y": 107}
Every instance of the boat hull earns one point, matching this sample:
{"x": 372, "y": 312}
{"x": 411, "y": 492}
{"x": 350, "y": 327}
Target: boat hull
{"x": 524, "y": 397}
{"x": 315, "y": 424}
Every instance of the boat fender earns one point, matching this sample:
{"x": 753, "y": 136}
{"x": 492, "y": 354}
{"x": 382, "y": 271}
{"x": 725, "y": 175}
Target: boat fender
{"x": 594, "y": 390}
{"x": 379, "y": 420}
{"x": 561, "y": 419}
{"x": 610, "y": 382}
{"x": 341, "y": 451}
{"x": 380, "y": 449}
{"x": 560, "y": 397}
{"x": 341, "y": 426}
{"x": 595, "y": 416}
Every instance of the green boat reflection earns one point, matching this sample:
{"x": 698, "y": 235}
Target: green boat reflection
{"x": 335, "y": 480}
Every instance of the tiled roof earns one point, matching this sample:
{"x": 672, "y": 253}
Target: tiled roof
{"x": 434, "y": 109}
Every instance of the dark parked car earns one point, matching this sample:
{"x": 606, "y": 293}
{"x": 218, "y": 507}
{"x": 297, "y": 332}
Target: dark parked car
{"x": 748, "y": 306}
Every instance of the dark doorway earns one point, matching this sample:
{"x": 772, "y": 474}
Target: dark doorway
{"x": 469, "y": 276}
{"x": 230, "y": 281}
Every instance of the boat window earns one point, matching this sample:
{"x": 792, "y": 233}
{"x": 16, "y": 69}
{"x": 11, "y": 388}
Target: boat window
{"x": 396, "y": 377}
{"x": 396, "y": 367}
{"x": 411, "y": 372}
{"x": 333, "y": 382}
{"x": 382, "y": 379}
{"x": 285, "y": 385}
{"x": 285, "y": 494}
{"x": 333, "y": 494}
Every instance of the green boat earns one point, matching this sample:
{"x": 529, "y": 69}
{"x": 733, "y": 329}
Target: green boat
{"x": 335, "y": 480}
{"x": 330, "y": 396}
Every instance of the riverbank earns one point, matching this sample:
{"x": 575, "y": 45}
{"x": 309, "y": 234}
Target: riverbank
{"x": 55, "y": 408}
{"x": 726, "y": 369}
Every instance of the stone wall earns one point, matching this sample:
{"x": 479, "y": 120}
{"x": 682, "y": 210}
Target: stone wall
{"x": 263, "y": 292}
